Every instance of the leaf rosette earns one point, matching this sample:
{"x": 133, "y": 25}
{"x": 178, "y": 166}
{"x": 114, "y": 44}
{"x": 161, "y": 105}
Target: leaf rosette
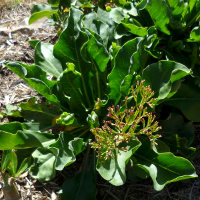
{"x": 99, "y": 55}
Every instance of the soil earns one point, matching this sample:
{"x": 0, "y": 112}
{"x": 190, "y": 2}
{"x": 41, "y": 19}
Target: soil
{"x": 14, "y": 46}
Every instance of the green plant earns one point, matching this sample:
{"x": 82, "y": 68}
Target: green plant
{"x": 10, "y": 169}
{"x": 95, "y": 65}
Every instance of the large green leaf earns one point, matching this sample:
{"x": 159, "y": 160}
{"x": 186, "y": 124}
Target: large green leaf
{"x": 68, "y": 50}
{"x": 23, "y": 166}
{"x": 15, "y": 136}
{"x": 34, "y": 77}
{"x": 163, "y": 168}
{"x": 39, "y": 116}
{"x": 68, "y": 147}
{"x": 117, "y": 14}
{"x": 86, "y": 59}
{"x": 113, "y": 169}
{"x": 176, "y": 125}
{"x": 176, "y": 8}
{"x": 136, "y": 30}
{"x": 123, "y": 66}
{"x": 44, "y": 113}
{"x": 83, "y": 184}
{"x": 159, "y": 13}
{"x": 93, "y": 23}
{"x": 187, "y": 100}
{"x": 162, "y": 75}
{"x": 70, "y": 84}
{"x": 60, "y": 154}
{"x": 45, "y": 160}
{"x": 195, "y": 35}
{"x": 191, "y": 13}
{"x": 12, "y": 167}
{"x": 178, "y": 134}
{"x": 40, "y": 10}
{"x": 98, "y": 53}
{"x": 45, "y": 59}
{"x": 106, "y": 18}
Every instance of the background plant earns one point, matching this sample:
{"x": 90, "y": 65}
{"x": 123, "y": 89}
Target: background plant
{"x": 98, "y": 56}
{"x": 12, "y": 165}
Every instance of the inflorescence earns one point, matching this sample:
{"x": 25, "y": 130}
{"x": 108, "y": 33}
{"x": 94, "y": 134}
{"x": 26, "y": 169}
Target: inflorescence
{"x": 124, "y": 124}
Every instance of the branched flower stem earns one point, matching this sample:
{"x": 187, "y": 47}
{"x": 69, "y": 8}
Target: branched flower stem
{"x": 125, "y": 123}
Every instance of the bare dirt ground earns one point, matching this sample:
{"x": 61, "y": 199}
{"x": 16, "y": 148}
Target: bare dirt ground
{"x": 14, "y": 46}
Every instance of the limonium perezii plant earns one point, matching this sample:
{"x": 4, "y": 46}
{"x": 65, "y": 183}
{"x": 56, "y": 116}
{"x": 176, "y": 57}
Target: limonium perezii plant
{"x": 103, "y": 48}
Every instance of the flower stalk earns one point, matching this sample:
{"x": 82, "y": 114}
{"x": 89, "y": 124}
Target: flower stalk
{"x": 125, "y": 123}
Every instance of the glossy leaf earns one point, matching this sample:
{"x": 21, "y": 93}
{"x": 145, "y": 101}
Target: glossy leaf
{"x": 113, "y": 169}
{"x": 122, "y": 67}
{"x": 106, "y": 18}
{"x": 136, "y": 30}
{"x": 176, "y": 7}
{"x": 163, "y": 168}
{"x": 23, "y": 166}
{"x": 5, "y": 160}
{"x": 45, "y": 158}
{"x": 118, "y": 14}
{"x": 39, "y": 11}
{"x": 191, "y": 13}
{"x": 195, "y": 35}
{"x": 60, "y": 154}
{"x": 65, "y": 49}
{"x": 14, "y": 136}
{"x": 45, "y": 59}
{"x": 69, "y": 51}
{"x": 162, "y": 75}
{"x": 70, "y": 84}
{"x": 159, "y": 13}
{"x": 34, "y": 77}
{"x": 12, "y": 167}
{"x": 43, "y": 113}
{"x": 187, "y": 100}
{"x": 93, "y": 44}
{"x": 98, "y": 53}
{"x": 69, "y": 148}
{"x": 92, "y": 22}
